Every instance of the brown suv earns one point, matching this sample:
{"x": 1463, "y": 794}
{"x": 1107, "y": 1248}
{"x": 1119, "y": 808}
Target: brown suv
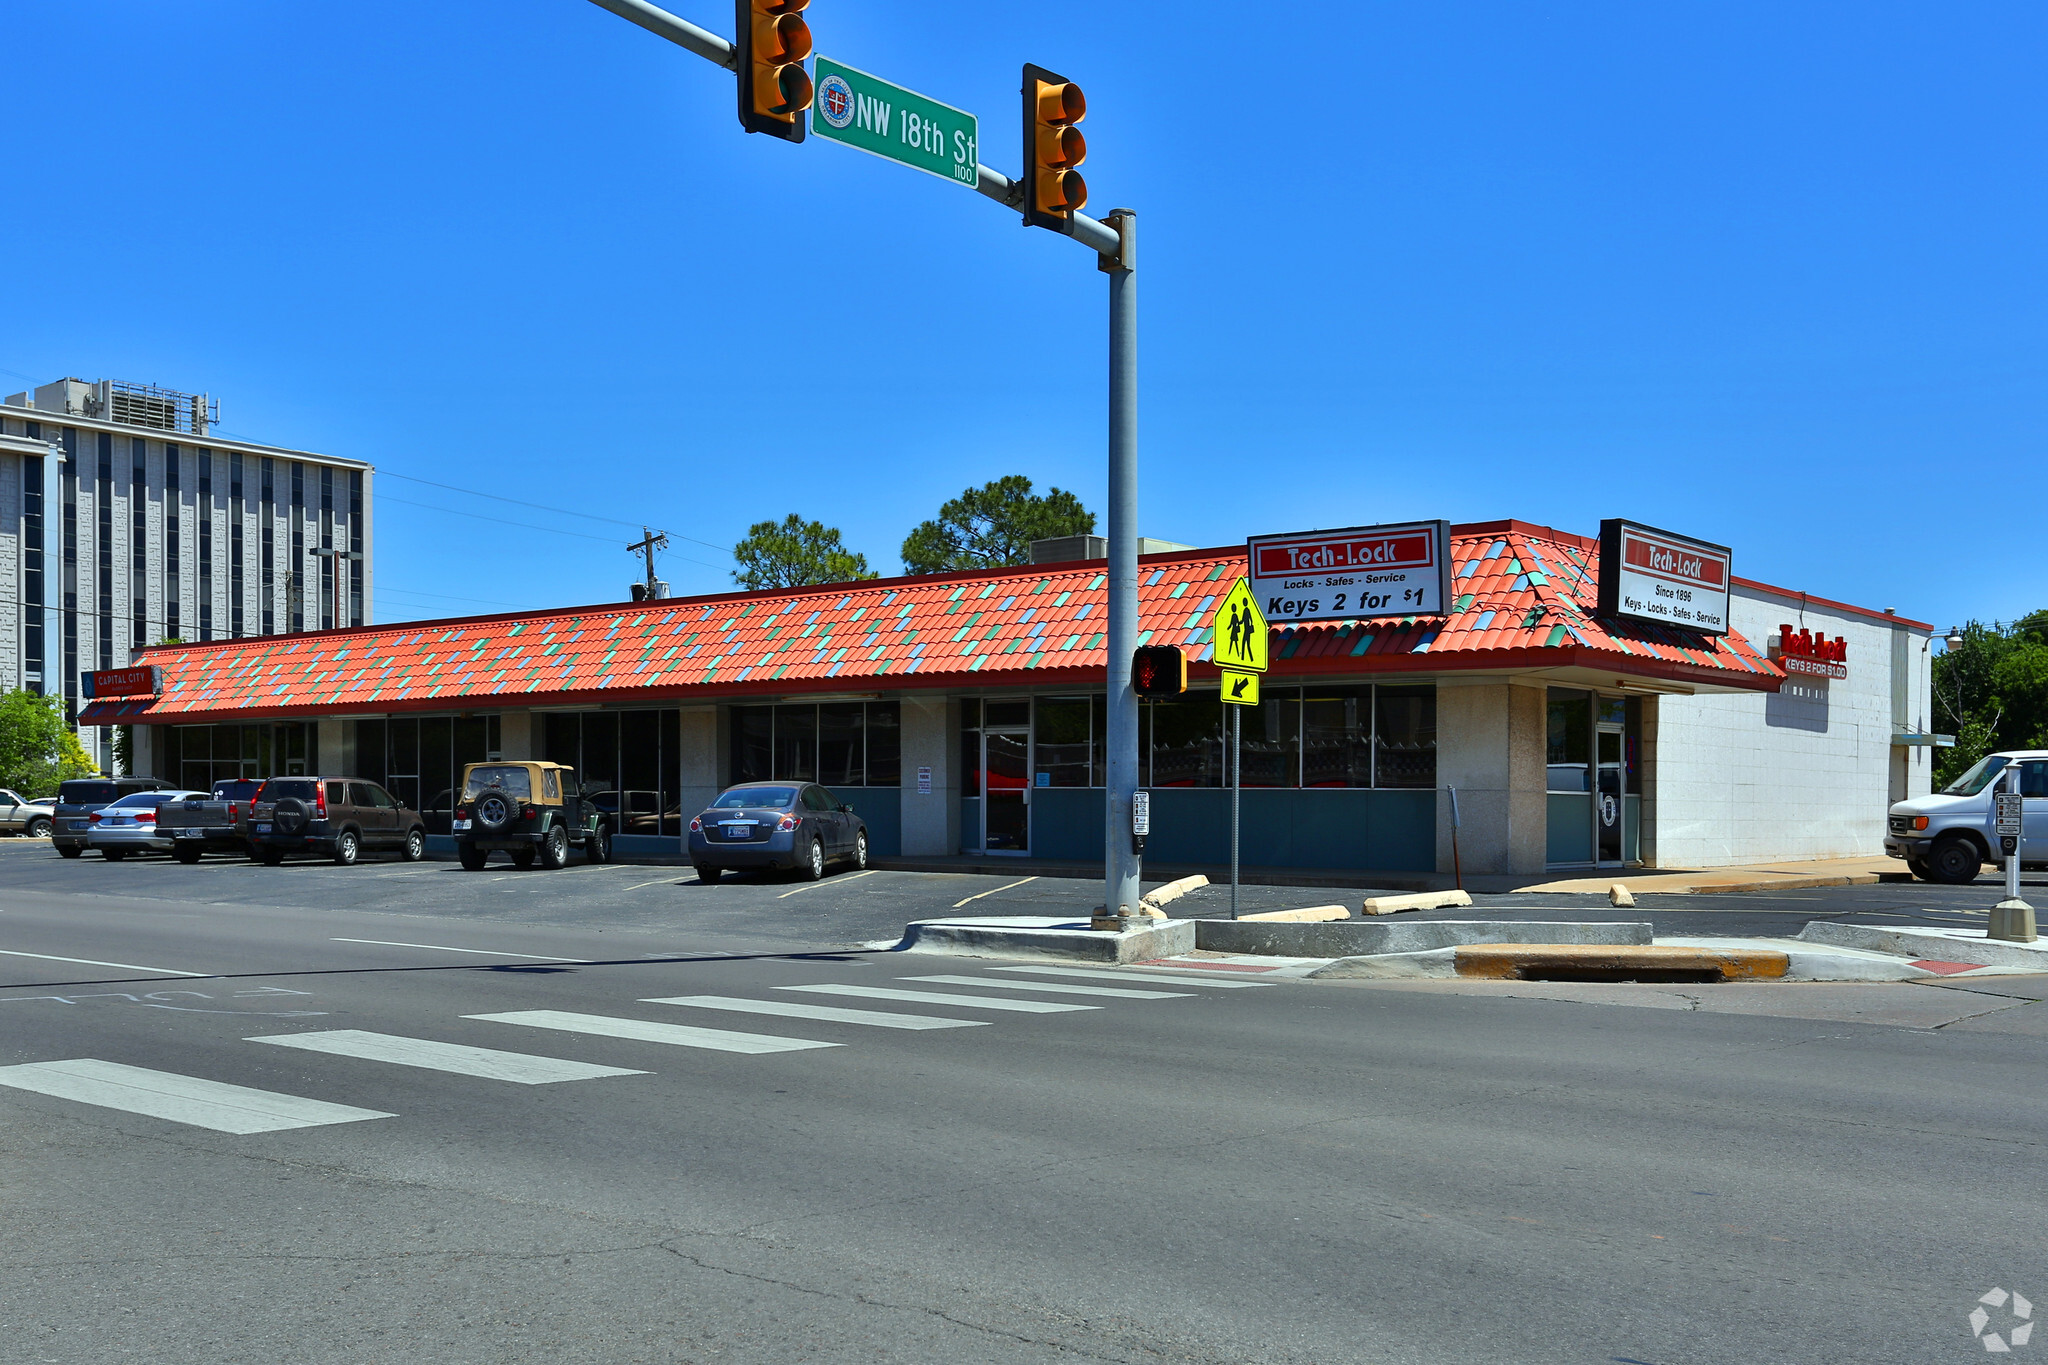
{"x": 335, "y": 817}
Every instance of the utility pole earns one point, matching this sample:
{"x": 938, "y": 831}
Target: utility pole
{"x": 649, "y": 542}
{"x": 1050, "y": 193}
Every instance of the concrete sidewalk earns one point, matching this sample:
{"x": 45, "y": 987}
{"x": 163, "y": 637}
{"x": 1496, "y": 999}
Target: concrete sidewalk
{"x": 1755, "y": 877}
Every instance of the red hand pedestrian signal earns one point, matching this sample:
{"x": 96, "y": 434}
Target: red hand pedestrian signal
{"x": 1159, "y": 671}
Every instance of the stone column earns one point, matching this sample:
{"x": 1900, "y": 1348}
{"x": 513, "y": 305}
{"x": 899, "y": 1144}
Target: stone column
{"x": 699, "y": 759}
{"x": 337, "y": 742}
{"x": 516, "y": 738}
{"x": 931, "y": 739}
{"x": 1490, "y": 746}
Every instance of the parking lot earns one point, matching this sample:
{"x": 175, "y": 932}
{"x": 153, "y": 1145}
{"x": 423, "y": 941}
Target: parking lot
{"x": 778, "y": 912}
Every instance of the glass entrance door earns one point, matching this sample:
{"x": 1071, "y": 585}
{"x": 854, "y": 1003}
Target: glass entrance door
{"x": 1006, "y": 791}
{"x": 1609, "y": 793}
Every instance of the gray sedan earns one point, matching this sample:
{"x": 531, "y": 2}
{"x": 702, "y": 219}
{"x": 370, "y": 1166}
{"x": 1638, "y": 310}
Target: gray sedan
{"x": 129, "y": 825}
{"x": 796, "y": 825}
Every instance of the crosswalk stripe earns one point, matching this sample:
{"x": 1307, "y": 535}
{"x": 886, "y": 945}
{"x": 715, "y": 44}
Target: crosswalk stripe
{"x": 181, "y": 1099}
{"x": 795, "y": 1009}
{"x": 646, "y": 1031}
{"x": 1051, "y": 987}
{"x": 1104, "y": 974}
{"x": 489, "y": 1063}
{"x": 934, "y": 998}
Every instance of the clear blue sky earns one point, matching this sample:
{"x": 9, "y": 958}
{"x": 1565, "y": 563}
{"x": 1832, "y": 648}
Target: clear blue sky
{"x": 1771, "y": 275}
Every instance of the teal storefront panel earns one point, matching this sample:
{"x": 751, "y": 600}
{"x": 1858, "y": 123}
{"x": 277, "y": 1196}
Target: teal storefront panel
{"x": 1393, "y": 831}
{"x": 1568, "y": 828}
{"x": 882, "y": 810}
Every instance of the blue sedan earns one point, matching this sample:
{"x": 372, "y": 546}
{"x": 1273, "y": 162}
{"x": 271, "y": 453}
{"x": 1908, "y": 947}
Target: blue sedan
{"x": 795, "y": 825}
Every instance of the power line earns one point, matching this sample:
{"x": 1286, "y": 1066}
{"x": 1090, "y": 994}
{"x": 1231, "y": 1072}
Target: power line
{"x": 526, "y": 525}
{"x": 538, "y": 507}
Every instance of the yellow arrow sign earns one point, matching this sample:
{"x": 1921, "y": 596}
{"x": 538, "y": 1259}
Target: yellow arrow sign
{"x": 1240, "y": 689}
{"x": 1240, "y": 629}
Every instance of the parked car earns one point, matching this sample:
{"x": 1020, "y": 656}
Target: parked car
{"x": 215, "y": 824}
{"x": 333, "y": 817}
{"x": 796, "y": 825}
{"x": 81, "y": 796}
{"x": 129, "y": 825}
{"x": 534, "y": 811}
{"x": 19, "y": 815}
{"x": 1946, "y": 836}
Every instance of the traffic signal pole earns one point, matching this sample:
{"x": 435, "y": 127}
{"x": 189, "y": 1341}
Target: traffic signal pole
{"x": 1115, "y": 243}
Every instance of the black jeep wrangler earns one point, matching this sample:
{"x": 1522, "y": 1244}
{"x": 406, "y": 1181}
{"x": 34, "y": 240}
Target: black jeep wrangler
{"x": 533, "y": 811}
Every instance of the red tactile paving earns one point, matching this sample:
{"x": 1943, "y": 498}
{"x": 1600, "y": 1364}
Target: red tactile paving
{"x": 1946, "y": 968}
{"x": 1524, "y": 596}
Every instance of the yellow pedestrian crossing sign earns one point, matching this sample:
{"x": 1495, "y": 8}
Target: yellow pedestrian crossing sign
{"x": 1240, "y": 689}
{"x": 1240, "y": 630}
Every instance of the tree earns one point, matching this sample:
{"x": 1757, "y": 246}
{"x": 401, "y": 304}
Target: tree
{"x": 37, "y": 749}
{"x": 992, "y": 527}
{"x": 793, "y": 553}
{"x": 1993, "y": 687}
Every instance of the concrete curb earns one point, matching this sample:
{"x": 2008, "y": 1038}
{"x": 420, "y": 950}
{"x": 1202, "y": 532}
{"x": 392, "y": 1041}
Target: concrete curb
{"x": 1310, "y": 914}
{"x": 1939, "y": 945}
{"x": 1050, "y": 940}
{"x": 1356, "y": 938}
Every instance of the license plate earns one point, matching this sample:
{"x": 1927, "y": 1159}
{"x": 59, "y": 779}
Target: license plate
{"x": 190, "y": 833}
{"x": 459, "y": 825}
{"x": 738, "y": 831}
{"x": 75, "y": 824}
{"x": 261, "y": 829}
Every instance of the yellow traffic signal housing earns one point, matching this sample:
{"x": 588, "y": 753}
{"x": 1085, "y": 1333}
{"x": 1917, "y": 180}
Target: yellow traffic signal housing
{"x": 1159, "y": 671}
{"x": 1053, "y": 149}
{"x": 775, "y": 90}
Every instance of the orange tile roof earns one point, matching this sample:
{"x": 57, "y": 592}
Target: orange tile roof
{"x": 1524, "y": 598}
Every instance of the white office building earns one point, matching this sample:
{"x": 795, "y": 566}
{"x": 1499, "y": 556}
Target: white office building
{"x": 127, "y": 519}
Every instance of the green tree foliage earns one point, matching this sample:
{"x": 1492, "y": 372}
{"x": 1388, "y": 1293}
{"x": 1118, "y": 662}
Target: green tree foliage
{"x": 37, "y": 749}
{"x": 793, "y": 553}
{"x": 993, "y": 526}
{"x": 1993, "y": 688}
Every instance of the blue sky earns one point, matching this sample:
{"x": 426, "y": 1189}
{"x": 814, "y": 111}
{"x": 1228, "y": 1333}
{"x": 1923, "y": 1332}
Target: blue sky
{"x": 1771, "y": 275}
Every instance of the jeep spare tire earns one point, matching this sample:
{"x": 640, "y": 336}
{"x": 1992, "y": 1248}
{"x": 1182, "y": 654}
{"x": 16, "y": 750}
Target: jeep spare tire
{"x": 290, "y": 815}
{"x": 494, "y": 810}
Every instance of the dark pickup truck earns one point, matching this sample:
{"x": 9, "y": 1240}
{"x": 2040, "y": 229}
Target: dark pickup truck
{"x": 219, "y": 825}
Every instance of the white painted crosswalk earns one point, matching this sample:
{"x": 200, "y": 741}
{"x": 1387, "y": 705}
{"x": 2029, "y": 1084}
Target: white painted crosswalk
{"x": 489, "y": 1063}
{"x": 796, "y": 1009}
{"x": 1052, "y": 987}
{"x": 937, "y": 998}
{"x": 182, "y": 1099}
{"x": 649, "y": 1031}
{"x": 1188, "y": 978}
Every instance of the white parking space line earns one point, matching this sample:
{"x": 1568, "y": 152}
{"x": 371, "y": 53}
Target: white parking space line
{"x": 1052, "y": 987}
{"x": 935, "y": 998}
{"x": 181, "y": 1099}
{"x": 644, "y": 1031}
{"x": 813, "y": 886}
{"x": 443, "y": 948}
{"x": 978, "y": 895}
{"x": 1104, "y": 974}
{"x": 518, "y": 1067}
{"x": 88, "y": 962}
{"x": 406, "y": 872}
{"x": 660, "y": 881}
{"x": 793, "y": 1009}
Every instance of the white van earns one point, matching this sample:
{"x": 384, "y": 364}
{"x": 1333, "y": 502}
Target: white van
{"x": 1945, "y": 837}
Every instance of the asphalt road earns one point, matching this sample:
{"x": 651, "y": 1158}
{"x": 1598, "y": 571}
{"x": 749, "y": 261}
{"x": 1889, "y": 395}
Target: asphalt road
{"x": 1271, "y": 1172}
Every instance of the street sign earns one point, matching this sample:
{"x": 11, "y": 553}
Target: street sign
{"x": 868, "y": 113}
{"x": 1354, "y": 574}
{"x": 2005, "y": 814}
{"x": 1141, "y": 813}
{"x": 1240, "y": 689}
{"x": 1240, "y": 630}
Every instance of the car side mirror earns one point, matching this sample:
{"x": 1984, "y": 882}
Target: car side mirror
{"x": 846, "y": 810}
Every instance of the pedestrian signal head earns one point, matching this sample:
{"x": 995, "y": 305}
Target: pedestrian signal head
{"x": 775, "y": 90}
{"x": 1159, "y": 671}
{"x": 1053, "y": 147}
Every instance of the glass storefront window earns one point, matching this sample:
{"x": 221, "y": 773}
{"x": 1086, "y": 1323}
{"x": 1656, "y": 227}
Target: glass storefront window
{"x": 1404, "y": 737}
{"x": 1568, "y": 748}
{"x": 1271, "y": 739}
{"x": 840, "y": 744}
{"x": 842, "y": 761}
{"x": 1187, "y": 741}
{"x": 885, "y": 744}
{"x": 1336, "y": 737}
{"x": 1062, "y": 747}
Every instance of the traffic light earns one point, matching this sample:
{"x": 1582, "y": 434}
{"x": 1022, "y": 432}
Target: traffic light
{"x": 1053, "y": 189}
{"x": 1159, "y": 671}
{"x": 775, "y": 90}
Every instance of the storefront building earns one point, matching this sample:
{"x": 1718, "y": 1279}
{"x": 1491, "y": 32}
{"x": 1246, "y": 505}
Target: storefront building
{"x": 963, "y": 713}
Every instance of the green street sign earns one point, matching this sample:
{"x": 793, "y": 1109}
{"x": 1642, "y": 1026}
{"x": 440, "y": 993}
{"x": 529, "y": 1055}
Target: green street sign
{"x": 886, "y": 120}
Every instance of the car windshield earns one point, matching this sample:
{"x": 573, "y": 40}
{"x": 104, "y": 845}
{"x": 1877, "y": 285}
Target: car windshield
{"x": 741, "y": 798}
{"x": 1979, "y": 777}
{"x": 86, "y": 793}
{"x": 508, "y": 778}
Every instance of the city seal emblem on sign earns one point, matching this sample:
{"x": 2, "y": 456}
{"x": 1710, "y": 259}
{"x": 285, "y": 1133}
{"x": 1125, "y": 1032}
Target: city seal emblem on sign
{"x": 835, "y": 101}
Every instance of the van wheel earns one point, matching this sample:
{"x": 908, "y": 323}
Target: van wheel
{"x": 415, "y": 845}
{"x": 554, "y": 849}
{"x": 1954, "y": 862}
{"x": 1919, "y": 868}
{"x": 187, "y": 856}
{"x": 473, "y": 859}
{"x": 347, "y": 847}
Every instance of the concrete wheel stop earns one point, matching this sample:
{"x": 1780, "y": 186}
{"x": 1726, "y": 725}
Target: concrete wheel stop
{"x": 1049, "y": 938}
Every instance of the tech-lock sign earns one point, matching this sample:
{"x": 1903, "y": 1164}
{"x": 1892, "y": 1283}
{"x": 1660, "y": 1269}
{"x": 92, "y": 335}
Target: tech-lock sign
{"x": 1353, "y": 574}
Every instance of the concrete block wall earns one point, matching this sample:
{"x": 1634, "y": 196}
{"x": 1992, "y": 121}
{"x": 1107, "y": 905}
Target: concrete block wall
{"x": 1804, "y": 773}
{"x": 931, "y": 739}
{"x": 1490, "y": 746}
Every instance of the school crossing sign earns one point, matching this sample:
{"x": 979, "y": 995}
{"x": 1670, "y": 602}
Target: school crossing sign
{"x": 1240, "y": 629}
